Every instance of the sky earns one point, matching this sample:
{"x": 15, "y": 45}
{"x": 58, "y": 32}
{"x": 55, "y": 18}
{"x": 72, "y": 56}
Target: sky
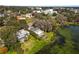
{"x": 39, "y": 2}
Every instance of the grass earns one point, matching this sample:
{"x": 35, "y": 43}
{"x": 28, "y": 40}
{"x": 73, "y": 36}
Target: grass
{"x": 28, "y": 20}
{"x": 67, "y": 48}
{"x": 33, "y": 45}
{"x": 71, "y": 23}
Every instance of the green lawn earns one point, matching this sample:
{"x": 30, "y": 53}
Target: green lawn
{"x": 33, "y": 45}
{"x": 67, "y": 48}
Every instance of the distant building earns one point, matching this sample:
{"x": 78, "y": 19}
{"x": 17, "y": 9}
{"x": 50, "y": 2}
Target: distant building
{"x": 76, "y": 10}
{"x": 37, "y": 31}
{"x": 49, "y": 11}
{"x": 38, "y": 8}
{"x": 37, "y": 11}
{"x": 46, "y": 11}
{"x": 22, "y": 35}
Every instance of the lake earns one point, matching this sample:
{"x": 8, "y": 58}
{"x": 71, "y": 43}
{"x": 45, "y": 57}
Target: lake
{"x": 67, "y": 42}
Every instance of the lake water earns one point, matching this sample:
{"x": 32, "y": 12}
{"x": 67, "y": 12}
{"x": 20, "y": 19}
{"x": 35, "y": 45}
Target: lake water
{"x": 75, "y": 38}
{"x": 75, "y": 35}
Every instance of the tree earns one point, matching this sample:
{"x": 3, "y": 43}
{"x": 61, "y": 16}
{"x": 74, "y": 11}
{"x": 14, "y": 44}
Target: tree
{"x": 54, "y": 14}
{"x": 45, "y": 25}
{"x": 61, "y": 19}
{"x": 23, "y": 24}
{"x": 1, "y": 21}
{"x": 42, "y": 16}
{"x": 8, "y": 34}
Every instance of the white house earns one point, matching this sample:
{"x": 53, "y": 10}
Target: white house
{"x": 37, "y": 31}
{"x": 9, "y": 11}
{"x": 1, "y": 15}
{"x": 38, "y": 8}
{"x": 22, "y": 35}
{"x": 76, "y": 10}
{"x": 49, "y": 11}
{"x": 37, "y": 11}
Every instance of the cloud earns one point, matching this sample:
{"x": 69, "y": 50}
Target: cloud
{"x": 39, "y": 2}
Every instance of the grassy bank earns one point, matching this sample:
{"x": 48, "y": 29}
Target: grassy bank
{"x": 72, "y": 23}
{"x": 33, "y": 45}
{"x": 67, "y": 48}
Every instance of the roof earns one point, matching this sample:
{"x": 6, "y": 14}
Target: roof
{"x": 21, "y": 34}
{"x": 37, "y": 31}
{"x": 20, "y": 17}
{"x": 1, "y": 15}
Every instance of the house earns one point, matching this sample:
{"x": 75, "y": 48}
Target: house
{"x": 3, "y": 50}
{"x": 76, "y": 10}
{"x": 9, "y": 11}
{"x": 37, "y": 31}
{"x": 28, "y": 15}
{"x": 20, "y": 17}
{"x": 22, "y": 35}
{"x": 2, "y": 15}
{"x": 38, "y": 8}
{"x": 37, "y": 11}
{"x": 49, "y": 11}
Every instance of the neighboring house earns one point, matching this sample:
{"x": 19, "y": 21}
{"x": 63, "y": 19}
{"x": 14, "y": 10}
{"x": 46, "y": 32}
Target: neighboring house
{"x": 20, "y": 18}
{"x": 49, "y": 11}
{"x": 9, "y": 11}
{"x": 76, "y": 10}
{"x": 24, "y": 16}
{"x": 22, "y": 35}
{"x": 1, "y": 15}
{"x": 37, "y": 31}
{"x": 28, "y": 15}
{"x": 13, "y": 14}
{"x": 38, "y": 8}
{"x": 37, "y": 11}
